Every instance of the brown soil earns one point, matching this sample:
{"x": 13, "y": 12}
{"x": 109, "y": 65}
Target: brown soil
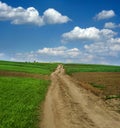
{"x": 69, "y": 105}
{"x": 22, "y": 74}
{"x": 110, "y": 80}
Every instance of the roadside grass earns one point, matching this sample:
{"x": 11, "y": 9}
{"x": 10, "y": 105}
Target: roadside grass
{"x": 28, "y": 67}
{"x": 112, "y": 97}
{"x": 19, "y": 101}
{"x": 99, "y": 86}
{"x": 72, "y": 68}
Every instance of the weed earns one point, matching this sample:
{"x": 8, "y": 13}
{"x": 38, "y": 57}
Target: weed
{"x": 99, "y": 86}
{"x": 112, "y": 97}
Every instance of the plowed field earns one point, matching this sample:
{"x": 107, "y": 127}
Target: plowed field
{"x": 109, "y": 80}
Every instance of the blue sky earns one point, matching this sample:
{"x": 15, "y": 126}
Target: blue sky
{"x": 79, "y": 31}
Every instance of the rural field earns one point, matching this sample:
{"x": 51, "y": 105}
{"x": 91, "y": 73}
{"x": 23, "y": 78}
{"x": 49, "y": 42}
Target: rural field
{"x": 22, "y": 90}
{"x": 79, "y": 95}
{"x": 104, "y": 78}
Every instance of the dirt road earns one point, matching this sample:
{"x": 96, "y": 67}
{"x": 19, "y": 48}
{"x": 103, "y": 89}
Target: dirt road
{"x": 68, "y": 105}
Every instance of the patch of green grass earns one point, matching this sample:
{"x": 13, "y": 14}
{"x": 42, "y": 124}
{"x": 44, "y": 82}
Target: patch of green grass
{"x": 72, "y": 68}
{"x": 99, "y": 86}
{"x": 38, "y": 68}
{"x": 112, "y": 97}
{"x": 19, "y": 101}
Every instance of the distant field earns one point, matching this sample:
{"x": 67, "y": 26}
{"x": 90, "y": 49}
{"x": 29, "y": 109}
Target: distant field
{"x": 19, "y": 101}
{"x": 102, "y": 77}
{"x": 105, "y": 78}
{"x": 72, "y": 68}
{"x": 36, "y": 68}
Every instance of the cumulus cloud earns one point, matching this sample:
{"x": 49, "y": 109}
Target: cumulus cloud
{"x": 111, "y": 25}
{"x": 60, "y": 51}
{"x": 99, "y": 43}
{"x": 104, "y": 52}
{"x": 30, "y": 15}
{"x": 91, "y": 34}
{"x": 78, "y": 33}
{"x": 51, "y": 16}
{"x": 110, "y": 47}
{"x": 101, "y": 53}
{"x": 105, "y": 14}
{"x": 115, "y": 47}
{"x": 57, "y": 54}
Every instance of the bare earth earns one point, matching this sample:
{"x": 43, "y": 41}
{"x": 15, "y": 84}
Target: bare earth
{"x": 111, "y": 80}
{"x": 68, "y": 105}
{"x": 23, "y": 74}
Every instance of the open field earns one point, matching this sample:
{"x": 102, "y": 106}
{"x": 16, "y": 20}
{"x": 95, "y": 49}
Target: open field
{"x": 36, "y": 68}
{"x": 69, "y": 102}
{"x": 103, "y": 77}
{"x": 72, "y": 68}
{"x": 23, "y": 87}
{"x": 107, "y": 82}
{"x": 19, "y": 101}
{"x": 102, "y": 80}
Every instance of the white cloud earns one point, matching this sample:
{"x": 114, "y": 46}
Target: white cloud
{"x": 51, "y": 16}
{"x": 79, "y": 33}
{"x": 115, "y": 40}
{"x": 100, "y": 53}
{"x": 110, "y": 47}
{"x": 91, "y": 34}
{"x": 30, "y": 15}
{"x": 115, "y": 47}
{"x": 98, "y": 43}
{"x": 97, "y": 48}
{"x": 52, "y": 51}
{"x": 111, "y": 25}
{"x": 57, "y": 54}
{"x": 105, "y": 14}
{"x": 60, "y": 51}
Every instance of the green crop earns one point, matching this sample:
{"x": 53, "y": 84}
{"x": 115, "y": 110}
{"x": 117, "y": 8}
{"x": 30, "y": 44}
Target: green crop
{"x": 37, "y": 68}
{"x": 20, "y": 99}
{"x": 72, "y": 68}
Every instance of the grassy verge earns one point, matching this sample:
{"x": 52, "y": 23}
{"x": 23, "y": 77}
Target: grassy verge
{"x": 112, "y": 97}
{"x": 99, "y": 86}
{"x": 37, "y": 68}
{"x": 19, "y": 101}
{"x": 72, "y": 68}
